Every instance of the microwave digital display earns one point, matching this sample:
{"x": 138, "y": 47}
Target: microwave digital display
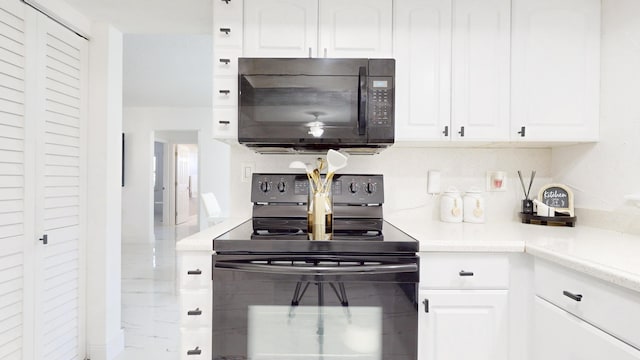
{"x": 380, "y": 84}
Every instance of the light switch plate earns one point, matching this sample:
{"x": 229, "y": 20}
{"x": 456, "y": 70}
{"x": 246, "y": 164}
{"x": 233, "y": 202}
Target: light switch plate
{"x": 246, "y": 170}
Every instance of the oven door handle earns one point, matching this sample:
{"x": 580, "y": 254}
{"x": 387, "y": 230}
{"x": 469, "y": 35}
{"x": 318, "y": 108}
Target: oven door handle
{"x": 318, "y": 270}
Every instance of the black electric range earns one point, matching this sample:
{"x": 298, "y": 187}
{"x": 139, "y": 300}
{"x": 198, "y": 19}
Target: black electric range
{"x": 279, "y": 219}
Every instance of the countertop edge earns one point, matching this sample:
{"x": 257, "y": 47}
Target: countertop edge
{"x": 611, "y": 275}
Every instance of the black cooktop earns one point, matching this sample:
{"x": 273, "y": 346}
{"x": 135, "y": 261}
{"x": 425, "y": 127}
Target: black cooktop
{"x": 243, "y": 239}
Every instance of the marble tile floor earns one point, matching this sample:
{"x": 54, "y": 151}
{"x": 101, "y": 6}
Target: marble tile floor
{"x": 149, "y": 301}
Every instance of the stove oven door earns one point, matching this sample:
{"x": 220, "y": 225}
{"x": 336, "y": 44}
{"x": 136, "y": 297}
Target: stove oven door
{"x": 301, "y": 307}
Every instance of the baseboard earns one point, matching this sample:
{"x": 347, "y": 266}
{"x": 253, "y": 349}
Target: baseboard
{"x": 108, "y": 351}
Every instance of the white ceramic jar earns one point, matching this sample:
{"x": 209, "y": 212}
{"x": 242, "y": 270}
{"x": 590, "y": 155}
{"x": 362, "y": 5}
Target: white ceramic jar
{"x": 473, "y": 203}
{"x": 451, "y": 206}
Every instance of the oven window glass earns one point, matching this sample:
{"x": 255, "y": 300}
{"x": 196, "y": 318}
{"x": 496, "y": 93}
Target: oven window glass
{"x": 314, "y": 332}
{"x": 299, "y": 106}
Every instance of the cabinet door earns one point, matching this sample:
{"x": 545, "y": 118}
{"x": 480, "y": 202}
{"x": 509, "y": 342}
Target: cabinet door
{"x": 463, "y": 324}
{"x": 422, "y": 48}
{"x": 61, "y": 75}
{"x": 559, "y": 335}
{"x": 280, "y": 28}
{"x": 16, "y": 217}
{"x": 556, "y": 70}
{"x": 480, "y": 69}
{"x": 355, "y": 29}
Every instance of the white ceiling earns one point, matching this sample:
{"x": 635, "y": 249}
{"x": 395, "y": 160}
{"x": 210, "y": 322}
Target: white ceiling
{"x": 150, "y": 16}
{"x": 167, "y": 49}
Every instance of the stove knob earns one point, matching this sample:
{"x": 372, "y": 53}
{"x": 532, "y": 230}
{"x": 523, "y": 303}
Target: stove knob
{"x": 353, "y": 188}
{"x": 371, "y": 188}
{"x": 265, "y": 186}
{"x": 282, "y": 187}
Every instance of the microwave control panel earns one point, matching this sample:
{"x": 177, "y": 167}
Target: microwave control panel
{"x": 381, "y": 101}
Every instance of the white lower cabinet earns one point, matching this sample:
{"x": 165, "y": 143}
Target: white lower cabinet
{"x": 463, "y": 324}
{"x": 463, "y": 308}
{"x": 558, "y": 335}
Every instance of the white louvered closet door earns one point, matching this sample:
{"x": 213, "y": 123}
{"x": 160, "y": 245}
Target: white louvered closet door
{"x": 60, "y": 192}
{"x": 14, "y": 212}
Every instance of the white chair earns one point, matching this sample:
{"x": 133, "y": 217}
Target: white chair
{"x": 212, "y": 208}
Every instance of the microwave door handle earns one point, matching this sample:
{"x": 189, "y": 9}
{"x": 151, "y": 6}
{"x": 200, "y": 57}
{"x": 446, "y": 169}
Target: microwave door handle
{"x": 362, "y": 101}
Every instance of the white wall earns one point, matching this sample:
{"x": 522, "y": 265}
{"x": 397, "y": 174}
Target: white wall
{"x": 601, "y": 174}
{"x": 139, "y": 124}
{"x": 105, "y": 338}
{"x": 405, "y": 171}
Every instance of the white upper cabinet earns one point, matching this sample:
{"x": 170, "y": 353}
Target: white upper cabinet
{"x": 452, "y": 69}
{"x": 480, "y": 69}
{"x": 318, "y": 28}
{"x": 356, "y": 28}
{"x": 556, "y": 70}
{"x": 422, "y": 48}
{"x": 288, "y": 28}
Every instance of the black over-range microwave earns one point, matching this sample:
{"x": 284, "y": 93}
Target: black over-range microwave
{"x": 311, "y": 105}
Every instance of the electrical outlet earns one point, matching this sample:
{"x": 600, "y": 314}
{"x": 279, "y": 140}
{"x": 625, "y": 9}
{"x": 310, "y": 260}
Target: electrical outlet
{"x": 247, "y": 170}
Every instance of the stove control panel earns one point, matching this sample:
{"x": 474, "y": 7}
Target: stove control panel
{"x": 348, "y": 189}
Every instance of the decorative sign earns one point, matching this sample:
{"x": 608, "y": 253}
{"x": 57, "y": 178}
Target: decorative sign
{"x": 558, "y": 196}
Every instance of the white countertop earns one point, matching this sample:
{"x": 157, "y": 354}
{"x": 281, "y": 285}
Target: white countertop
{"x": 608, "y": 255}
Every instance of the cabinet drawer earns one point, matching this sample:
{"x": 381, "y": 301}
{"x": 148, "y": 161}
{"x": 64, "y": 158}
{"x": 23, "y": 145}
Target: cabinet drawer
{"x": 225, "y": 63}
{"x": 225, "y": 123}
{"x": 195, "y": 344}
{"x": 195, "y": 308}
{"x": 464, "y": 271}
{"x": 227, "y": 33}
{"x": 195, "y": 271}
{"x": 225, "y": 92}
{"x": 609, "y": 307}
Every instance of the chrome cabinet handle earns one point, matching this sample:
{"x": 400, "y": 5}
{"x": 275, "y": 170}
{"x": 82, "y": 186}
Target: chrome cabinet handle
{"x": 226, "y": 1}
{"x": 225, "y": 30}
{"x": 572, "y": 296}
{"x": 426, "y": 305}
{"x": 225, "y": 61}
{"x": 446, "y": 131}
{"x": 44, "y": 239}
{"x": 466, "y": 273}
{"x": 224, "y": 122}
{"x": 194, "y": 272}
{"x": 461, "y": 132}
{"x": 225, "y": 92}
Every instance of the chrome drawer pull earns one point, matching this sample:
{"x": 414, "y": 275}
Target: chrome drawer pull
{"x": 225, "y": 30}
{"x": 194, "y": 272}
{"x": 466, "y": 273}
{"x": 576, "y": 297}
{"x": 196, "y": 312}
{"x": 225, "y": 61}
{"x": 225, "y": 92}
{"x": 195, "y": 351}
{"x": 224, "y": 122}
